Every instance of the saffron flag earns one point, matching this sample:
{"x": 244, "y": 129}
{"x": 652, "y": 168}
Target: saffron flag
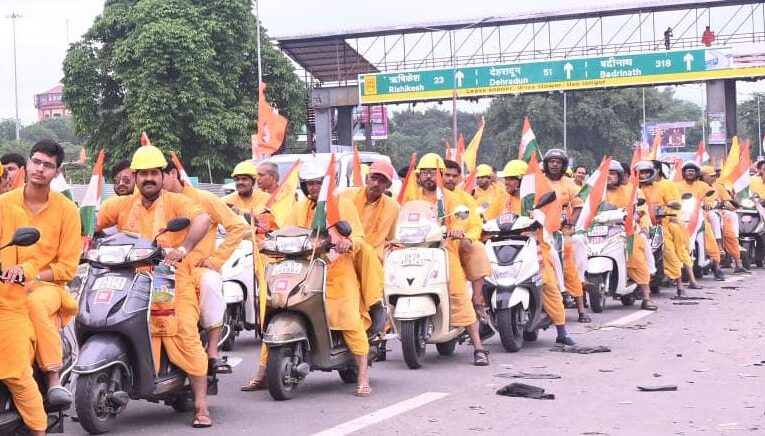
{"x": 327, "y": 209}
{"x": 178, "y": 165}
{"x": 19, "y": 179}
{"x": 282, "y": 200}
{"x": 471, "y": 153}
{"x": 92, "y": 201}
{"x": 629, "y": 223}
{"x": 656, "y": 149}
{"x": 358, "y": 180}
{"x": 730, "y": 163}
{"x": 459, "y": 155}
{"x": 701, "y": 154}
{"x": 448, "y": 152}
{"x": 528, "y": 145}
{"x": 409, "y": 187}
{"x": 145, "y": 139}
{"x": 740, "y": 176}
{"x": 83, "y": 156}
{"x": 593, "y": 193}
{"x": 271, "y": 127}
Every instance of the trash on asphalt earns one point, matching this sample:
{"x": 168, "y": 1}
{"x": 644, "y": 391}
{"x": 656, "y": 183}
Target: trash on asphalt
{"x": 523, "y": 390}
{"x": 664, "y": 388}
{"x": 579, "y": 349}
{"x": 528, "y": 375}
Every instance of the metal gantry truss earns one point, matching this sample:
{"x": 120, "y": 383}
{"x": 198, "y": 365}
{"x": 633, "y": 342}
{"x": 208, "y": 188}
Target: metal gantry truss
{"x": 336, "y": 59}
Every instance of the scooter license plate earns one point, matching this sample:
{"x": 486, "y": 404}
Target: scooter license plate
{"x": 110, "y": 282}
{"x": 414, "y": 258}
{"x": 598, "y": 231}
{"x": 287, "y": 267}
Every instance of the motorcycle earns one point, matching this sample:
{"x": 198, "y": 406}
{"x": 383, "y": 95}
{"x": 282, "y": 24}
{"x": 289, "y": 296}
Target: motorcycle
{"x": 751, "y": 218}
{"x": 297, "y": 329}
{"x": 514, "y": 288}
{"x": 416, "y": 288}
{"x": 116, "y": 362}
{"x": 11, "y": 422}
{"x": 607, "y": 260}
{"x": 241, "y": 295}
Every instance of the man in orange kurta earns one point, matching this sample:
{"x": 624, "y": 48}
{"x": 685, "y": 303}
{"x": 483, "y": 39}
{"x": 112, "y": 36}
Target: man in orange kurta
{"x": 207, "y": 278}
{"x": 147, "y": 212}
{"x": 246, "y": 198}
{"x": 17, "y": 349}
{"x": 56, "y": 255}
{"x": 729, "y": 226}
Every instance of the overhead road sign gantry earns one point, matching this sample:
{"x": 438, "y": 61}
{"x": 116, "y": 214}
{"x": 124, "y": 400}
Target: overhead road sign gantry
{"x": 660, "y": 67}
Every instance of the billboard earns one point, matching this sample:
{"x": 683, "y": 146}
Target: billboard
{"x": 672, "y": 133}
{"x": 376, "y": 116}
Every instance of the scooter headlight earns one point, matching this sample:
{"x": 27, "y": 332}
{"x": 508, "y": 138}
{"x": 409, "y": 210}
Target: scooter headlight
{"x": 138, "y": 254}
{"x": 112, "y": 254}
{"x": 292, "y": 244}
{"x": 747, "y": 203}
{"x": 506, "y": 275}
{"x": 413, "y": 235}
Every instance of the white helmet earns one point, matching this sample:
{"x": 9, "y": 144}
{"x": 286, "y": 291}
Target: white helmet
{"x": 312, "y": 169}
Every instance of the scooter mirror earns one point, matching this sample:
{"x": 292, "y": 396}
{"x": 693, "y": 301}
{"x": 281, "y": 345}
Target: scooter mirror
{"x": 344, "y": 228}
{"x": 609, "y": 206}
{"x": 546, "y": 199}
{"x": 675, "y": 206}
{"x": 462, "y": 212}
{"x": 641, "y": 202}
{"x": 686, "y": 196}
{"x": 177, "y": 224}
{"x": 710, "y": 193}
{"x": 24, "y": 237}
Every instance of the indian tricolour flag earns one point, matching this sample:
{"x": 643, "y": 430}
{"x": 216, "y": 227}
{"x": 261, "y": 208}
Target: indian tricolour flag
{"x": 739, "y": 175}
{"x": 629, "y": 223}
{"x": 92, "y": 200}
{"x": 440, "y": 202}
{"x": 533, "y": 186}
{"x": 594, "y": 195}
{"x": 327, "y": 209}
{"x": 60, "y": 185}
{"x": 696, "y": 222}
{"x": 529, "y": 145}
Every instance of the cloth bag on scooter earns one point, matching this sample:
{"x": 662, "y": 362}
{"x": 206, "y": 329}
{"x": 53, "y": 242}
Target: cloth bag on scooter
{"x": 163, "y": 320}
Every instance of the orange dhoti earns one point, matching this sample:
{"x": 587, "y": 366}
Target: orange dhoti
{"x": 343, "y": 301}
{"x": 730, "y": 235}
{"x": 369, "y": 274}
{"x": 474, "y": 260}
{"x": 552, "y": 301}
{"x": 710, "y": 243}
{"x": 462, "y": 312}
{"x": 50, "y": 309}
{"x": 637, "y": 263}
{"x": 17, "y": 350}
{"x": 570, "y": 273}
{"x": 672, "y": 264}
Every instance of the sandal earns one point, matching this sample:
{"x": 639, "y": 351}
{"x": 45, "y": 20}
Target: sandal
{"x": 201, "y": 419}
{"x": 649, "y": 305}
{"x": 363, "y": 391}
{"x": 218, "y": 366}
{"x": 481, "y": 358}
{"x": 584, "y": 318}
{"x": 255, "y": 384}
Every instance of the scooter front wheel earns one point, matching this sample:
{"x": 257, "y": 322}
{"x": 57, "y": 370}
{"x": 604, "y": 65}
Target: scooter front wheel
{"x": 281, "y": 383}
{"x": 597, "y": 291}
{"x": 510, "y": 327}
{"x": 92, "y": 402}
{"x": 413, "y": 343}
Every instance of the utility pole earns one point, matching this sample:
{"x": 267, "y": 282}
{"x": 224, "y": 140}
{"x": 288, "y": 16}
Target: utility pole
{"x": 256, "y": 154}
{"x": 565, "y": 131}
{"x": 759, "y": 127}
{"x": 13, "y": 18}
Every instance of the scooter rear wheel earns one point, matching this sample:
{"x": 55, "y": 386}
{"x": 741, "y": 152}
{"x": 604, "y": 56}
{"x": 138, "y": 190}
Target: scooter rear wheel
{"x": 447, "y": 348}
{"x": 91, "y": 397}
{"x": 277, "y": 371}
{"x": 413, "y": 342}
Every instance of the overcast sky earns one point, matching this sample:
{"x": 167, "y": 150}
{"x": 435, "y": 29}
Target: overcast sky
{"x": 47, "y": 26}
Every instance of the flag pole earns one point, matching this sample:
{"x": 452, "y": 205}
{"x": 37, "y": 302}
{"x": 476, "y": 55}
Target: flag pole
{"x": 256, "y": 148}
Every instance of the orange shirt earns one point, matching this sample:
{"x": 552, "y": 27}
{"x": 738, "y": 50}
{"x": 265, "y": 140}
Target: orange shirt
{"x": 257, "y": 200}
{"x": 60, "y": 244}
{"x": 565, "y": 194}
{"x": 378, "y": 219}
{"x": 484, "y": 197}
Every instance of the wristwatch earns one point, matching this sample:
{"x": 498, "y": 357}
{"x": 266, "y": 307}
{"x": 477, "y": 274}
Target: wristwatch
{"x": 182, "y": 249}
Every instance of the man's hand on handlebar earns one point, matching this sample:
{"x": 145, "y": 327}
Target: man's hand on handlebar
{"x": 14, "y": 274}
{"x": 344, "y": 245}
{"x": 456, "y": 234}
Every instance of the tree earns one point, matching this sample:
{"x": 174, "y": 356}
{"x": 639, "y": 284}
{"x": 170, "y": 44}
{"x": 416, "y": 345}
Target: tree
{"x": 7, "y": 129}
{"x": 748, "y": 127}
{"x": 184, "y": 71}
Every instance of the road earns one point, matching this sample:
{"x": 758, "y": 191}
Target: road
{"x": 713, "y": 351}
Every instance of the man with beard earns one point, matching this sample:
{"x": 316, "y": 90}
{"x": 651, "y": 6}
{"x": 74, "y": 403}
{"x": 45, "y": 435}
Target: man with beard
{"x": 207, "y": 278}
{"x": 246, "y": 198}
{"x": 268, "y": 182}
{"x": 146, "y": 212}
{"x": 56, "y": 256}
{"x": 485, "y": 190}
{"x": 124, "y": 180}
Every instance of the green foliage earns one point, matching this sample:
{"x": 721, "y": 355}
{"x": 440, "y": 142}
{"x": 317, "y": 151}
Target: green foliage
{"x": 184, "y": 71}
{"x": 747, "y": 121}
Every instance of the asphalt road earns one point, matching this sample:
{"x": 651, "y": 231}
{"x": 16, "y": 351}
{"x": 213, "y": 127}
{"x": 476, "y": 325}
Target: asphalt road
{"x": 713, "y": 351}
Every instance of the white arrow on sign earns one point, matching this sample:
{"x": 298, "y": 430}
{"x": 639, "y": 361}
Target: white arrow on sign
{"x": 688, "y": 58}
{"x": 458, "y": 77}
{"x": 568, "y": 68}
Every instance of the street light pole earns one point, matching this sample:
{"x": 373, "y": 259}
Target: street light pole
{"x": 454, "y": 89}
{"x": 13, "y": 18}
{"x": 565, "y": 131}
{"x": 759, "y": 126}
{"x": 256, "y": 148}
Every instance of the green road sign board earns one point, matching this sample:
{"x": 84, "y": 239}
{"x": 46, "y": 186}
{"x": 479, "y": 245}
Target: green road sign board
{"x": 573, "y": 73}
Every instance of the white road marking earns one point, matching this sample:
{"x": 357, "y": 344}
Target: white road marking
{"x": 632, "y": 317}
{"x": 382, "y": 414}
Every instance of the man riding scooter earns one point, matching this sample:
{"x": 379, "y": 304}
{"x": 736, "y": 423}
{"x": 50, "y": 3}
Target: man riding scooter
{"x": 145, "y": 212}
{"x": 552, "y": 301}
{"x": 618, "y": 194}
{"x": 692, "y": 184}
{"x": 727, "y": 233}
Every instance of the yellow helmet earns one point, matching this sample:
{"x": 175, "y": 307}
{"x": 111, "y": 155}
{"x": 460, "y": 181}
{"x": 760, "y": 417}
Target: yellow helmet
{"x": 430, "y": 161}
{"x": 148, "y": 157}
{"x": 708, "y": 170}
{"x": 515, "y": 168}
{"x": 569, "y": 172}
{"x": 245, "y": 168}
{"x": 484, "y": 170}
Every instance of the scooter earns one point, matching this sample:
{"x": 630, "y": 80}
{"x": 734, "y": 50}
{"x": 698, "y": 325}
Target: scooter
{"x": 297, "y": 329}
{"x": 116, "y": 362}
{"x": 702, "y": 264}
{"x": 416, "y": 288}
{"x": 514, "y": 288}
{"x": 751, "y": 218}
{"x": 241, "y": 295}
{"x": 11, "y": 422}
{"x": 607, "y": 260}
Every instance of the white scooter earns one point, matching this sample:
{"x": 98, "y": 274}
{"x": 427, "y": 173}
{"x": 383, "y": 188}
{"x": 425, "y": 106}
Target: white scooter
{"x": 514, "y": 288}
{"x": 751, "y": 218}
{"x": 607, "y": 260}
{"x": 240, "y": 293}
{"x": 702, "y": 264}
{"x": 417, "y": 283}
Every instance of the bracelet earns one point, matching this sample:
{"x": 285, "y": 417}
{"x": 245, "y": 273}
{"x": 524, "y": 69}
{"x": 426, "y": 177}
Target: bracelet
{"x": 182, "y": 249}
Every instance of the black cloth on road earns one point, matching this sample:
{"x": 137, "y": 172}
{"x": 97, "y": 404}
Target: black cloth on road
{"x": 525, "y": 391}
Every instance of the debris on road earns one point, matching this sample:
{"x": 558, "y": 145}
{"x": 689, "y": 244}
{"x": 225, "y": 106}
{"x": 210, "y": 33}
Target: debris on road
{"x": 579, "y": 349}
{"x": 527, "y": 375}
{"x": 665, "y": 388}
{"x": 525, "y": 391}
